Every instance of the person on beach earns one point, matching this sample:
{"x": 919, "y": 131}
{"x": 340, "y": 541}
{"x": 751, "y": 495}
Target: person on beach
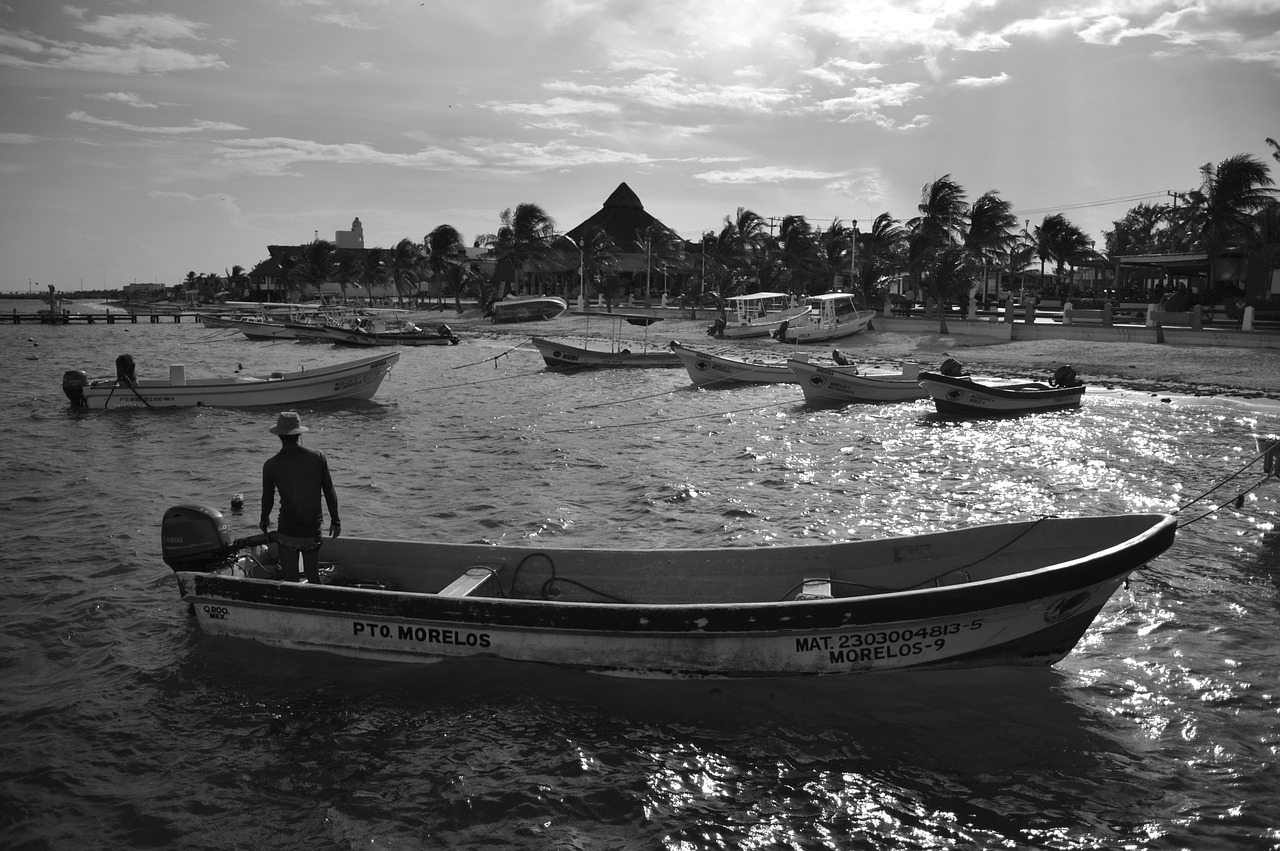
{"x": 301, "y": 475}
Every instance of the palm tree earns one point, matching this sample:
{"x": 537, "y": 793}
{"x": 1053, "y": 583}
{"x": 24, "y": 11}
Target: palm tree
{"x": 524, "y": 237}
{"x": 316, "y": 266}
{"x": 374, "y": 272}
{"x": 598, "y": 254}
{"x": 881, "y": 255}
{"x": 662, "y": 247}
{"x": 444, "y": 247}
{"x": 743, "y": 245}
{"x": 237, "y": 282}
{"x": 799, "y": 255}
{"x": 931, "y": 235}
{"x": 1223, "y": 208}
{"x": 990, "y": 234}
{"x": 404, "y": 268}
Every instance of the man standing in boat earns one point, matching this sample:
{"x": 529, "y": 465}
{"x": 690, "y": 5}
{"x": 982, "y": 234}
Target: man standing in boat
{"x": 301, "y": 475}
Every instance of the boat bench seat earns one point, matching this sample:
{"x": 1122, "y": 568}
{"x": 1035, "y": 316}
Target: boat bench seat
{"x": 469, "y": 583}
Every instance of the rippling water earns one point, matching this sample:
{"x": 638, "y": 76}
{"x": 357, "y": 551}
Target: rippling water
{"x": 124, "y": 727}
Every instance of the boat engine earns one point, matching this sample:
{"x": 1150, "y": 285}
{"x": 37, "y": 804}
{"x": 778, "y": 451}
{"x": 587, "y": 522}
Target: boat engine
{"x": 73, "y": 383}
{"x": 952, "y": 368}
{"x": 1064, "y": 376}
{"x": 194, "y": 537}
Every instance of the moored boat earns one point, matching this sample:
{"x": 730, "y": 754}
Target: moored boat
{"x": 1020, "y": 593}
{"x": 830, "y": 316}
{"x": 707, "y": 369}
{"x": 356, "y": 379}
{"x": 755, "y": 315}
{"x": 957, "y": 394}
{"x": 823, "y": 383}
{"x": 405, "y": 334}
{"x": 528, "y": 308}
{"x": 557, "y": 354}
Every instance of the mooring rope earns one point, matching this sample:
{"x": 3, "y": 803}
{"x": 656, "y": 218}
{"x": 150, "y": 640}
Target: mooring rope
{"x": 494, "y": 358}
{"x": 1238, "y": 499}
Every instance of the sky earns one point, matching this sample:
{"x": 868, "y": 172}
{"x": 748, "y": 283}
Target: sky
{"x": 144, "y": 139}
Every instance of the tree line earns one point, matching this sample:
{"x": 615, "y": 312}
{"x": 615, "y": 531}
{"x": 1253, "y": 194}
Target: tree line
{"x": 950, "y": 247}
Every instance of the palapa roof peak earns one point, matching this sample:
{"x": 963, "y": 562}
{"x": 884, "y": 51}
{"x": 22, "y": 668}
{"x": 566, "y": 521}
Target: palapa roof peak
{"x": 621, "y": 217}
{"x": 623, "y": 196}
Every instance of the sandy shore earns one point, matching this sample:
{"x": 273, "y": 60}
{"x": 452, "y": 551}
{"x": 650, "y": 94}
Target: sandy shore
{"x": 1157, "y": 368}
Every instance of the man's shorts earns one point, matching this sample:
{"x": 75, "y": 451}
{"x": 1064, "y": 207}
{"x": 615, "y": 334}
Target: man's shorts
{"x": 302, "y": 545}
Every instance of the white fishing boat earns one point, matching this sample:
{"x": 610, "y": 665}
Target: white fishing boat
{"x": 829, "y": 317}
{"x": 708, "y": 369}
{"x": 1020, "y": 593}
{"x": 529, "y": 308}
{"x": 557, "y": 354}
{"x": 356, "y": 379}
{"x": 755, "y": 315}
{"x": 826, "y": 383}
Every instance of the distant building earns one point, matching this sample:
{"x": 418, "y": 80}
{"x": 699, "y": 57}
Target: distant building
{"x": 353, "y": 238}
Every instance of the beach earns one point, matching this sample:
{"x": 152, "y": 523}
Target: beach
{"x": 1156, "y": 368}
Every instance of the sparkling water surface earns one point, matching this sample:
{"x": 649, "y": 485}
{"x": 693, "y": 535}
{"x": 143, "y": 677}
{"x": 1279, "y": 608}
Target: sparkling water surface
{"x": 125, "y": 727}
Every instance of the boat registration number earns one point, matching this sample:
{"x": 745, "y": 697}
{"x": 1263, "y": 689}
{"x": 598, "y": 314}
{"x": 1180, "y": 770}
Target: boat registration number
{"x": 884, "y": 644}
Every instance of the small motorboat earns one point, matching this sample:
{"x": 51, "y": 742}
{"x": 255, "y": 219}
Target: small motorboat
{"x": 357, "y": 379}
{"x": 828, "y": 317}
{"x": 755, "y": 315}
{"x": 401, "y": 334}
{"x": 707, "y": 369}
{"x": 557, "y": 354}
{"x": 957, "y": 394}
{"x": 827, "y": 384}
{"x": 1019, "y": 593}
{"x": 528, "y": 309}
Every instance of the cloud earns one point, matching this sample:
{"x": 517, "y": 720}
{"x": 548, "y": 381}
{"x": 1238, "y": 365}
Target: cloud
{"x": 347, "y": 20}
{"x": 132, "y": 99}
{"x": 18, "y": 139}
{"x": 983, "y": 82}
{"x": 148, "y": 28}
{"x": 197, "y": 126}
{"x": 765, "y": 174}
{"x": 557, "y": 106}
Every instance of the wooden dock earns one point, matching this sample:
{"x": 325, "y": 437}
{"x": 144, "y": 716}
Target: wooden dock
{"x": 13, "y": 317}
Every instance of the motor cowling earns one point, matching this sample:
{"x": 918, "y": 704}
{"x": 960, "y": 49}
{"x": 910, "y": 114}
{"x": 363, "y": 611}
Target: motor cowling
{"x": 195, "y": 537}
{"x": 952, "y": 368}
{"x": 73, "y": 383}
{"x": 1064, "y": 376}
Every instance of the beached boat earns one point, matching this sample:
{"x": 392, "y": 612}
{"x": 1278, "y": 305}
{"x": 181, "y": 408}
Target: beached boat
{"x": 707, "y": 369}
{"x": 829, "y": 317}
{"x": 1020, "y": 593}
{"x": 826, "y": 384}
{"x": 528, "y": 309}
{"x": 557, "y": 354}
{"x": 959, "y": 395}
{"x": 755, "y": 315}
{"x": 401, "y": 334}
{"x": 356, "y": 379}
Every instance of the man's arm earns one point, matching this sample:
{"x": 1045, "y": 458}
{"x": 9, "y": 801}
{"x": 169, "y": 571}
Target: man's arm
{"x": 268, "y": 495}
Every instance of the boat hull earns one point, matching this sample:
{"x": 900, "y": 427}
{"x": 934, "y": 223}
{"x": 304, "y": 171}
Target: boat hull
{"x": 558, "y": 355}
{"x": 529, "y": 309}
{"x": 837, "y": 384}
{"x": 815, "y": 330}
{"x": 1011, "y": 594}
{"x": 356, "y": 337}
{"x": 352, "y": 380}
{"x": 961, "y": 396}
{"x": 707, "y": 369}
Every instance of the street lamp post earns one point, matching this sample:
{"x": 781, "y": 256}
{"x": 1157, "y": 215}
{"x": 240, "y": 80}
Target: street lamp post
{"x": 582, "y": 272}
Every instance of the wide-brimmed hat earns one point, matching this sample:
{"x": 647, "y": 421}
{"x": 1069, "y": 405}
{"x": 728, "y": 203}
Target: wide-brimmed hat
{"x": 289, "y": 423}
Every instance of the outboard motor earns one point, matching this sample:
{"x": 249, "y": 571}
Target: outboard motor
{"x": 73, "y": 383}
{"x": 195, "y": 537}
{"x": 1064, "y": 376}
{"x": 952, "y": 368}
{"x": 716, "y": 328}
{"x": 781, "y": 332}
